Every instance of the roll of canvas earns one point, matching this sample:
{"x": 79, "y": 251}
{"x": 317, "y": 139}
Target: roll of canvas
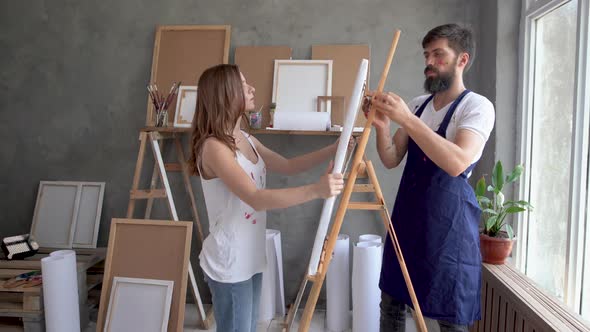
{"x": 302, "y": 121}
{"x": 267, "y": 297}
{"x": 279, "y": 281}
{"x": 338, "y": 287}
{"x": 366, "y": 296}
{"x": 272, "y": 298}
{"x": 60, "y": 291}
{"x": 370, "y": 238}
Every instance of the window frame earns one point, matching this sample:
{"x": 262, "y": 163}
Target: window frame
{"x": 578, "y": 226}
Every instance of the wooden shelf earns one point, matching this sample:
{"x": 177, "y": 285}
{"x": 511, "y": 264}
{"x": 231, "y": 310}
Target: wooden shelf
{"x": 166, "y": 129}
{"x": 299, "y": 132}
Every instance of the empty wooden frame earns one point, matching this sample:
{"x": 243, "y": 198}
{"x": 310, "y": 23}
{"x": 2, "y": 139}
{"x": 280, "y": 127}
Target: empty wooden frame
{"x": 185, "y": 106}
{"x": 149, "y": 249}
{"x": 67, "y": 214}
{"x": 138, "y": 304}
{"x": 182, "y": 53}
{"x": 298, "y": 83}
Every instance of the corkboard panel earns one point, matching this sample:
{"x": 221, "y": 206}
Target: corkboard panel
{"x": 149, "y": 249}
{"x": 182, "y": 53}
{"x": 346, "y": 60}
{"x": 257, "y": 65}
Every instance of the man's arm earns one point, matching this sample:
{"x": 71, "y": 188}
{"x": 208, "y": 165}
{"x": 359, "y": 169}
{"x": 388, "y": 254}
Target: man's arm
{"x": 391, "y": 152}
{"x": 452, "y": 157}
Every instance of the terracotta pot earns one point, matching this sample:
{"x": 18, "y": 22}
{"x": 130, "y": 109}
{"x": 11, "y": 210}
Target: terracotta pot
{"x": 494, "y": 250}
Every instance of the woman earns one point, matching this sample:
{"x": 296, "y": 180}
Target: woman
{"x": 232, "y": 165}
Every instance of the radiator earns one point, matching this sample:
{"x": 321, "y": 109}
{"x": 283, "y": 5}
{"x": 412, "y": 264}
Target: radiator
{"x": 510, "y": 301}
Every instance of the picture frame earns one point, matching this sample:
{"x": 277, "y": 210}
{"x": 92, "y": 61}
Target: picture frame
{"x": 290, "y": 95}
{"x": 151, "y": 249}
{"x": 67, "y": 214}
{"x": 186, "y": 104}
{"x": 174, "y": 60}
{"x": 138, "y": 304}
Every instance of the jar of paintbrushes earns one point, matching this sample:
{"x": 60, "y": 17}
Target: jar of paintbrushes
{"x": 161, "y": 102}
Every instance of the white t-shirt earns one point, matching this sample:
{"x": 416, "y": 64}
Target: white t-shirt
{"x": 474, "y": 113}
{"x": 235, "y": 248}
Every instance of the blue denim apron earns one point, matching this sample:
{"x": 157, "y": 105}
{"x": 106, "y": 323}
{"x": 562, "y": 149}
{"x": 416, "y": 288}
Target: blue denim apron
{"x": 436, "y": 218}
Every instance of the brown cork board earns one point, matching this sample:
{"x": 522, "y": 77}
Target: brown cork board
{"x": 151, "y": 249}
{"x": 257, "y": 65}
{"x": 182, "y": 53}
{"x": 346, "y": 60}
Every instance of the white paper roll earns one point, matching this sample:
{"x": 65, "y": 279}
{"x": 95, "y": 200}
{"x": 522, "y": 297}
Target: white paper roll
{"x": 267, "y": 297}
{"x": 370, "y": 238}
{"x": 338, "y": 287}
{"x": 280, "y": 286}
{"x": 272, "y": 298}
{"x": 60, "y": 292}
{"x": 302, "y": 121}
{"x": 366, "y": 268}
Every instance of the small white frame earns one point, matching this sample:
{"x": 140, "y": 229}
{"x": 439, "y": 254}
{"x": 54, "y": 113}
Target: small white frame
{"x": 186, "y": 104}
{"x": 137, "y": 295}
{"x": 67, "y": 214}
{"x": 298, "y": 83}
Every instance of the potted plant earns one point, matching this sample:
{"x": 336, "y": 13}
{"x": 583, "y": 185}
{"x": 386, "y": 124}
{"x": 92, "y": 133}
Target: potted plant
{"x": 495, "y": 243}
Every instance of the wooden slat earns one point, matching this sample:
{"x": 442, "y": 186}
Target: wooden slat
{"x": 363, "y": 188}
{"x": 172, "y": 167}
{"x": 93, "y": 280}
{"x": 364, "y": 206}
{"x": 495, "y": 311}
{"x": 146, "y": 193}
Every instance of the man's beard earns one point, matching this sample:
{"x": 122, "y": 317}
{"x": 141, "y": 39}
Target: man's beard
{"x": 439, "y": 83}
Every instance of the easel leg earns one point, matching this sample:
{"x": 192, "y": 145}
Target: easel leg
{"x": 188, "y": 186}
{"x": 153, "y": 184}
{"x": 137, "y": 175}
{"x": 172, "y": 209}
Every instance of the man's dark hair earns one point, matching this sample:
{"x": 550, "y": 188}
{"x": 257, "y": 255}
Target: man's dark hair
{"x": 460, "y": 39}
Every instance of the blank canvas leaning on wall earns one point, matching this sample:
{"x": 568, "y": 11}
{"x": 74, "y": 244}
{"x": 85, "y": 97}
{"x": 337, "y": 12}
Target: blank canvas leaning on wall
{"x": 138, "y": 304}
{"x": 67, "y": 214}
{"x": 298, "y": 83}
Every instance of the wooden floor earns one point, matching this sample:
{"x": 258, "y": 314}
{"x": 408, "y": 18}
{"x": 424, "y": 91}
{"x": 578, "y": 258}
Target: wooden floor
{"x": 190, "y": 323}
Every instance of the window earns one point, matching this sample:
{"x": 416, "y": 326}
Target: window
{"x": 554, "y": 240}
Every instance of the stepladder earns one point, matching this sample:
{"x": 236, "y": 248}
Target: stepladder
{"x": 158, "y": 138}
{"x": 360, "y": 167}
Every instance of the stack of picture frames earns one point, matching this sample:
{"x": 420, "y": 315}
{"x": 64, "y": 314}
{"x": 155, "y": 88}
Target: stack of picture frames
{"x": 67, "y": 214}
{"x": 181, "y": 54}
{"x": 145, "y": 277}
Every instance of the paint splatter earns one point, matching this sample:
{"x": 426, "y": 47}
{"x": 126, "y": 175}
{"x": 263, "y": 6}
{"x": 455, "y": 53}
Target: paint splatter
{"x": 248, "y": 215}
{"x": 254, "y": 222}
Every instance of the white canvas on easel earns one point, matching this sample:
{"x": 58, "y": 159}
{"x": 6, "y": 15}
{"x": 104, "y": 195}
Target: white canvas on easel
{"x": 298, "y": 83}
{"x": 67, "y": 214}
{"x": 138, "y": 304}
{"x": 185, "y": 106}
{"x": 326, "y": 215}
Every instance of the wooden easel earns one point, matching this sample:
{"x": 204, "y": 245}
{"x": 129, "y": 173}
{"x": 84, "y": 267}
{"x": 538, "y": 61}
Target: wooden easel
{"x": 156, "y": 137}
{"x": 361, "y": 167}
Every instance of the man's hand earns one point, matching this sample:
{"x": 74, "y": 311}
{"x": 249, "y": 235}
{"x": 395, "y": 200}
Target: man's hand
{"x": 392, "y": 106}
{"x": 381, "y": 122}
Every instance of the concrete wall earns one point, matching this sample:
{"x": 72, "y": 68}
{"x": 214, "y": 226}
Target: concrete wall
{"x": 72, "y": 92}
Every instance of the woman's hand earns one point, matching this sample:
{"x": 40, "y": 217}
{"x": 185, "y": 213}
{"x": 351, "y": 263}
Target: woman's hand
{"x": 330, "y": 184}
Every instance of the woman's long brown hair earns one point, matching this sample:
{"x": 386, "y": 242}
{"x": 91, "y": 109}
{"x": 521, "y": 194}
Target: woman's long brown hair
{"x": 220, "y": 103}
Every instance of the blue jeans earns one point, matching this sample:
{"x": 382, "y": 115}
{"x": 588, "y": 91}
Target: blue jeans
{"x": 393, "y": 317}
{"x": 236, "y": 304}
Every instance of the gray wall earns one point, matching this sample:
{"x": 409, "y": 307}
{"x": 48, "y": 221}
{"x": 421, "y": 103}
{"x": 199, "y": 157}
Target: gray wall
{"x": 72, "y": 92}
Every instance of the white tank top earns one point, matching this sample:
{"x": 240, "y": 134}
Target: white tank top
{"x": 235, "y": 248}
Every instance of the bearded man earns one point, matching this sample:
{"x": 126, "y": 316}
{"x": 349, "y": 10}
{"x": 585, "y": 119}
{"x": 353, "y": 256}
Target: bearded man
{"x": 436, "y": 214}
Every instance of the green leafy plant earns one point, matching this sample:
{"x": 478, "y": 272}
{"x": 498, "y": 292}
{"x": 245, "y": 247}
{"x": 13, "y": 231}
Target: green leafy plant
{"x": 496, "y": 208}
